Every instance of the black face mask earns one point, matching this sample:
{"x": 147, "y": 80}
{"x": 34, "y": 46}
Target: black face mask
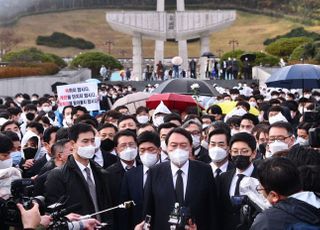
{"x": 262, "y": 148}
{"x": 107, "y": 145}
{"x": 241, "y": 162}
{"x": 29, "y": 153}
{"x": 30, "y": 116}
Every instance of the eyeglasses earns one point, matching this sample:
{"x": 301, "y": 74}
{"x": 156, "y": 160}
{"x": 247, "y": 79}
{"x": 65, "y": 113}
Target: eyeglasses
{"x": 240, "y": 151}
{"x": 278, "y": 138}
{"x": 259, "y": 188}
{"x": 127, "y": 145}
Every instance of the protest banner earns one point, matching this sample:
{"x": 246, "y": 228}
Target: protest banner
{"x": 83, "y": 94}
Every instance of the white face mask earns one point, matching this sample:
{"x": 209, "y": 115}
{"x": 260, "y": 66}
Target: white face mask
{"x": 277, "y": 146}
{"x": 195, "y": 141}
{"x": 276, "y": 118}
{"x": 234, "y": 131}
{"x": 204, "y": 144}
{"x": 67, "y": 121}
{"x": 129, "y": 154}
{"x": 217, "y": 154}
{"x": 253, "y": 104}
{"x": 302, "y": 141}
{"x": 149, "y": 159}
{"x": 300, "y": 109}
{"x": 179, "y": 156}
{"x": 86, "y": 152}
{"x": 143, "y": 119}
{"x": 6, "y": 163}
{"x": 158, "y": 121}
{"x": 163, "y": 145}
{"x": 205, "y": 126}
{"x": 46, "y": 109}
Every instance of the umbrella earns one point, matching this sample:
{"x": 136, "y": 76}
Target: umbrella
{"x": 299, "y": 76}
{"x": 115, "y": 76}
{"x": 183, "y": 86}
{"x": 172, "y": 101}
{"x": 228, "y": 106}
{"x": 251, "y": 57}
{"x": 132, "y": 101}
{"x": 93, "y": 80}
{"x": 177, "y": 60}
{"x": 208, "y": 54}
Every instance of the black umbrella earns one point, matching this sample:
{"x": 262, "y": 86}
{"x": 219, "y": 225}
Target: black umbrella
{"x": 251, "y": 57}
{"x": 183, "y": 86}
{"x": 208, "y": 54}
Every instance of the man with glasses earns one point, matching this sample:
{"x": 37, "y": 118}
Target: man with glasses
{"x": 280, "y": 138}
{"x": 242, "y": 152}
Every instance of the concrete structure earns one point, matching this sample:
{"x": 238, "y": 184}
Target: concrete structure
{"x": 41, "y": 84}
{"x": 159, "y": 25}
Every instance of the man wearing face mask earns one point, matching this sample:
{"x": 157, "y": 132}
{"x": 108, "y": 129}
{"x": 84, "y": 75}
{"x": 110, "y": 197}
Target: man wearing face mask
{"x": 134, "y": 180}
{"x": 163, "y": 131}
{"x": 248, "y": 122}
{"x": 243, "y": 152}
{"x": 142, "y": 115}
{"x": 280, "y": 138}
{"x": 292, "y": 207}
{"x": 127, "y": 122}
{"x": 219, "y": 152}
{"x": 80, "y": 179}
{"x": 194, "y": 128}
{"x": 180, "y": 180}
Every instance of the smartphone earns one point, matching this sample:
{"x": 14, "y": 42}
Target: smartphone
{"x": 147, "y": 222}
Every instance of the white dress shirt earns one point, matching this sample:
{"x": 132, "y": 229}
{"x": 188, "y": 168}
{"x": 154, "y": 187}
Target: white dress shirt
{"x": 48, "y": 157}
{"x": 124, "y": 165}
{"x": 246, "y": 172}
{"x": 164, "y": 157}
{"x": 185, "y": 170}
{"x": 99, "y": 158}
{"x": 223, "y": 168}
{"x": 82, "y": 169}
{"x": 145, "y": 174}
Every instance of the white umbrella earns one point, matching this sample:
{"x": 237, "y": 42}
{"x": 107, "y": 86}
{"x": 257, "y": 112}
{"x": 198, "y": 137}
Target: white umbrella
{"x": 132, "y": 101}
{"x": 177, "y": 60}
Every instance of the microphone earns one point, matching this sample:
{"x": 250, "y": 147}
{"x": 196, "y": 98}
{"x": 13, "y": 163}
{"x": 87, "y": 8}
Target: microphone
{"x": 248, "y": 187}
{"x": 60, "y": 213}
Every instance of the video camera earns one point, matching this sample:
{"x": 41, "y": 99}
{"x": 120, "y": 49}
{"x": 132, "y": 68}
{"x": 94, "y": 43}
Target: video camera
{"x": 179, "y": 217}
{"x": 21, "y": 192}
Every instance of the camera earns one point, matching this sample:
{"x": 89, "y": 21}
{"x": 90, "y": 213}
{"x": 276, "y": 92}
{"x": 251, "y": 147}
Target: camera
{"x": 179, "y": 217}
{"x": 314, "y": 137}
{"x": 21, "y": 192}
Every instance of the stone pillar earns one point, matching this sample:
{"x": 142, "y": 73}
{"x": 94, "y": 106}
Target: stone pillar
{"x": 159, "y": 45}
{"x": 181, "y": 5}
{"x": 137, "y": 57}
{"x": 204, "y": 47}
{"x": 183, "y": 52}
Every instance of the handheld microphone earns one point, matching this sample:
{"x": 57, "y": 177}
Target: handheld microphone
{"x": 61, "y": 213}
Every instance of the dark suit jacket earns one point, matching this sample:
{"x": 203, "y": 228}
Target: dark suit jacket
{"x": 132, "y": 189}
{"x": 39, "y": 182}
{"x": 229, "y": 215}
{"x": 35, "y": 169}
{"x": 69, "y": 181}
{"x": 108, "y": 159}
{"x": 200, "y": 197}
{"x": 203, "y": 155}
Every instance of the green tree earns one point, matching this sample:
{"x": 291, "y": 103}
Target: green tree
{"x": 94, "y": 60}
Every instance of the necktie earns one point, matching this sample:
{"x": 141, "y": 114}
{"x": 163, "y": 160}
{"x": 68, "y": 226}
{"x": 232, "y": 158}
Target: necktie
{"x": 92, "y": 189}
{"x": 179, "y": 187}
{"x": 236, "y": 191}
{"x": 218, "y": 172}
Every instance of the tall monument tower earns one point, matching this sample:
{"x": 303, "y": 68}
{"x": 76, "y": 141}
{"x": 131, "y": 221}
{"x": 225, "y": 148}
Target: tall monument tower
{"x": 159, "y": 25}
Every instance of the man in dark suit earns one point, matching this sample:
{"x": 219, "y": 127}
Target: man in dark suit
{"x": 243, "y": 152}
{"x": 81, "y": 180}
{"x": 134, "y": 180}
{"x": 219, "y": 151}
{"x": 187, "y": 182}
{"x": 195, "y": 129}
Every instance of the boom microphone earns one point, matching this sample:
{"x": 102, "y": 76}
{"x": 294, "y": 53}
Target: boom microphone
{"x": 60, "y": 213}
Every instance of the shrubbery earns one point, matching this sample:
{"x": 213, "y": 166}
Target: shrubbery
{"x": 23, "y": 69}
{"x": 94, "y": 60}
{"x": 61, "y": 40}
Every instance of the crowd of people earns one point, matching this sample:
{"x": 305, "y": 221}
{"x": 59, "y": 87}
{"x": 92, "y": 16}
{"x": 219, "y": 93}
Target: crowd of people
{"x": 173, "y": 164}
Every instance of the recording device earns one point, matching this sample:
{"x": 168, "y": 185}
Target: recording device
{"x": 311, "y": 116}
{"x": 178, "y": 219}
{"x": 250, "y": 203}
{"x": 147, "y": 223}
{"x": 314, "y": 137}
{"x": 21, "y": 192}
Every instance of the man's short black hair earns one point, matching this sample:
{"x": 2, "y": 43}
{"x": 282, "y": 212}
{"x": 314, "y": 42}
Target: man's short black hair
{"x": 67, "y": 107}
{"x": 179, "y": 131}
{"x": 47, "y": 133}
{"x": 172, "y": 117}
{"x": 149, "y": 136}
{"x": 10, "y": 122}
{"x": 142, "y": 109}
{"x": 244, "y": 137}
{"x": 220, "y": 131}
{"x": 215, "y": 109}
{"x": 208, "y": 117}
{"x": 77, "y": 129}
{"x": 279, "y": 174}
{"x": 167, "y": 125}
{"x": 118, "y": 108}
{"x": 14, "y": 110}
{"x": 281, "y": 124}
{"x": 122, "y": 133}
{"x": 250, "y": 117}
{"x": 12, "y": 135}
{"x": 126, "y": 117}
{"x": 108, "y": 125}
{"x": 58, "y": 146}
{"x": 78, "y": 108}
{"x": 62, "y": 133}
{"x": 244, "y": 104}
{"x": 6, "y": 144}
{"x": 38, "y": 126}
{"x": 88, "y": 119}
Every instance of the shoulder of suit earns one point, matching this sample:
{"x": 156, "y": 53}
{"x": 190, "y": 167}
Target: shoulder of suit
{"x": 114, "y": 167}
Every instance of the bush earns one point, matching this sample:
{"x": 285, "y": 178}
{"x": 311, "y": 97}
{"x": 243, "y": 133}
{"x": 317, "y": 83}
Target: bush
{"x": 61, "y": 40}
{"x": 265, "y": 59}
{"x": 285, "y": 46}
{"x": 297, "y": 54}
{"x": 297, "y": 32}
{"x": 23, "y": 69}
{"x": 94, "y": 60}
{"x": 236, "y": 54}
